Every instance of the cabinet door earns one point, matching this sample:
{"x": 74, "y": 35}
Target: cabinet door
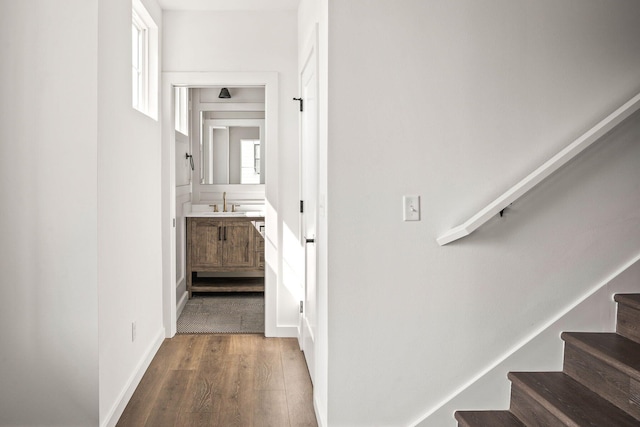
{"x": 206, "y": 243}
{"x": 238, "y": 249}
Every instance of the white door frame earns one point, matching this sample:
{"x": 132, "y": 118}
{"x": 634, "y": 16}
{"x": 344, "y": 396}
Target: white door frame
{"x": 168, "y": 181}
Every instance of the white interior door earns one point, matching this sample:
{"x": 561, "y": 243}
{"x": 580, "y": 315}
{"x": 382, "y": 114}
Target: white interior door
{"x": 309, "y": 197}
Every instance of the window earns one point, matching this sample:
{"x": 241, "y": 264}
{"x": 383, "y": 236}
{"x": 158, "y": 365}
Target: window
{"x": 144, "y": 60}
{"x": 250, "y": 161}
{"x": 139, "y": 45}
{"x": 181, "y": 97}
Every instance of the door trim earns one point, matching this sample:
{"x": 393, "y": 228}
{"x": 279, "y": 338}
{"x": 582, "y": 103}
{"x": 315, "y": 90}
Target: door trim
{"x": 168, "y": 179}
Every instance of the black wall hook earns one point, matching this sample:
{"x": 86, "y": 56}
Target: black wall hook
{"x": 301, "y": 103}
{"x": 190, "y": 157}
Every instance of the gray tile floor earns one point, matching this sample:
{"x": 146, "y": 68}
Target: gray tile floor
{"x": 238, "y": 313}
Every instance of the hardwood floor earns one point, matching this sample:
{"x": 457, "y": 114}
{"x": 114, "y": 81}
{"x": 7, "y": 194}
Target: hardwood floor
{"x": 223, "y": 381}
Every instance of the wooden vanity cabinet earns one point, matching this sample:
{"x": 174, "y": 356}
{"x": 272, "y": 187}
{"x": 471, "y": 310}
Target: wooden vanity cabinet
{"x": 222, "y": 245}
{"x": 259, "y": 250}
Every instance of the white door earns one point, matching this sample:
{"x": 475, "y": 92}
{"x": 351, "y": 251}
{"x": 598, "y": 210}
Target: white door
{"x": 309, "y": 197}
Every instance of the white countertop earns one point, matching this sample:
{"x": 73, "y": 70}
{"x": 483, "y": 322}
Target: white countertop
{"x": 209, "y": 214}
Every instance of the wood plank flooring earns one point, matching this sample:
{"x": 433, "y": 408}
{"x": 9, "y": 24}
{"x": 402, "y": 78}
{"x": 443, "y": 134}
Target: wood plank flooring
{"x": 223, "y": 381}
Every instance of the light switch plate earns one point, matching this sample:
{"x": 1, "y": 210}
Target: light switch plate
{"x": 411, "y": 208}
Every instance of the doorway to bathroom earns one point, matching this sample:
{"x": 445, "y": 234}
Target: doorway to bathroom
{"x": 186, "y": 190}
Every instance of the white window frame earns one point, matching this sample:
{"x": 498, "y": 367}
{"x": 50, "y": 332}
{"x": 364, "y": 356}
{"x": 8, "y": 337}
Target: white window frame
{"x": 145, "y": 75}
{"x": 139, "y": 64}
{"x": 181, "y": 96}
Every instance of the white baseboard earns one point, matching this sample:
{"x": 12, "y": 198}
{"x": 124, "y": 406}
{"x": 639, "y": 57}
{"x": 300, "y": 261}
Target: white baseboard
{"x": 181, "y": 303}
{"x": 111, "y": 419}
{"x": 282, "y": 332}
{"x": 321, "y": 422}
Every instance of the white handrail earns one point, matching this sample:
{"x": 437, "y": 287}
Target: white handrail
{"x": 535, "y": 177}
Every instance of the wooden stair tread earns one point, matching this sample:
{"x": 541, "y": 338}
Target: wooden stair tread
{"x": 487, "y": 419}
{"x": 632, "y": 300}
{"x": 569, "y": 400}
{"x": 614, "y": 349}
{"x": 600, "y": 384}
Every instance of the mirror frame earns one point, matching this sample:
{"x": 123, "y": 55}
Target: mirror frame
{"x": 209, "y": 124}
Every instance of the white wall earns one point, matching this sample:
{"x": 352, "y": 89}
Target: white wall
{"x": 183, "y": 166}
{"x": 81, "y": 236}
{"x": 250, "y": 42}
{"x": 457, "y": 101}
{"x": 129, "y": 239}
{"x": 48, "y": 248}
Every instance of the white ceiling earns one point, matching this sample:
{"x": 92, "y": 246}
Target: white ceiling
{"x": 228, "y": 4}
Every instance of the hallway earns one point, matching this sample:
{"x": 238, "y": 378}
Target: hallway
{"x": 223, "y": 380}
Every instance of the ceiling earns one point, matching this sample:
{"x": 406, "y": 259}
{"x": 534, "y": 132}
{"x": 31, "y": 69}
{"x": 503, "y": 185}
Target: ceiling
{"x": 228, "y": 4}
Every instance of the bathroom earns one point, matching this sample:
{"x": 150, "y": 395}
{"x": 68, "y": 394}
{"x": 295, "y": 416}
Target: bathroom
{"x": 220, "y": 206}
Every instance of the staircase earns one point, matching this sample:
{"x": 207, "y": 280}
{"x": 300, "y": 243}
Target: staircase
{"x": 599, "y": 384}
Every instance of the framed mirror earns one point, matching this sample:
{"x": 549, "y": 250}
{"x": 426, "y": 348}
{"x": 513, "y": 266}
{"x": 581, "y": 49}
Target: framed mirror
{"x": 230, "y": 144}
{"x": 232, "y": 151}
